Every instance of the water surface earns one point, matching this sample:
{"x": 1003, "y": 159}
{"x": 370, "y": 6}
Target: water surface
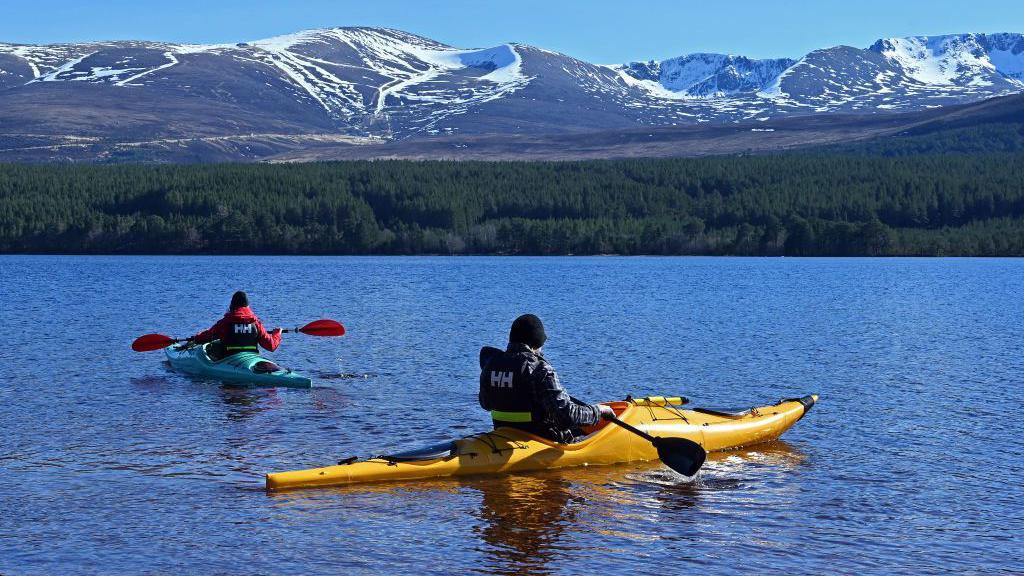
{"x": 911, "y": 463}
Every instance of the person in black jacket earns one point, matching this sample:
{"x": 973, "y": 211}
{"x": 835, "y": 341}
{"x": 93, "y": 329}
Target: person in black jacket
{"x": 521, "y": 389}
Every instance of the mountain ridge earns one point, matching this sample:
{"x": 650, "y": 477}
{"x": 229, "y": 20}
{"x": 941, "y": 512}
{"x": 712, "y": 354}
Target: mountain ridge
{"x": 365, "y": 85}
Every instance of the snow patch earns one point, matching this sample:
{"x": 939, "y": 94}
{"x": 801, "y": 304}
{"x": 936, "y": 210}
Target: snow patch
{"x": 24, "y": 53}
{"x": 54, "y": 76}
{"x": 101, "y": 72}
{"x": 504, "y": 60}
{"x": 201, "y": 48}
{"x": 650, "y": 86}
{"x": 128, "y": 81}
{"x": 774, "y": 91}
{"x": 288, "y": 41}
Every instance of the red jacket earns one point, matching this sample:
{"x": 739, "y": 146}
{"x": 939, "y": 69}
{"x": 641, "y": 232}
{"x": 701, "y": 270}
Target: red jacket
{"x": 269, "y": 340}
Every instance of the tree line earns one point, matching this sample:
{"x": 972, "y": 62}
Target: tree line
{"x": 793, "y": 204}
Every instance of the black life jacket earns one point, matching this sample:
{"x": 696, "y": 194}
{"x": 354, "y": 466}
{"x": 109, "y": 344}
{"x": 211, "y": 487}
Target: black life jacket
{"x": 507, "y": 388}
{"x": 241, "y": 337}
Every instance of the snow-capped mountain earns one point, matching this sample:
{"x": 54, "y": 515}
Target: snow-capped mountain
{"x": 893, "y": 74}
{"x": 707, "y": 75}
{"x": 350, "y": 78}
{"x": 978, "y": 60}
{"x": 368, "y": 85}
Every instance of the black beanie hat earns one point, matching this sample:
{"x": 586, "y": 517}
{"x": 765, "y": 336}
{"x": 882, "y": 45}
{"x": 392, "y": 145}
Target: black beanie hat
{"x": 529, "y": 330}
{"x": 239, "y": 300}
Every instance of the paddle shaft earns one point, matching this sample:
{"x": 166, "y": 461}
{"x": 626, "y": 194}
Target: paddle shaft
{"x": 150, "y": 342}
{"x": 634, "y": 430}
{"x": 680, "y": 454}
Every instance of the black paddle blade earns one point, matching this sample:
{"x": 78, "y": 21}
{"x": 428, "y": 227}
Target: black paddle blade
{"x": 682, "y": 455}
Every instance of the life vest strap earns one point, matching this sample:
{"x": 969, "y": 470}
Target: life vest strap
{"x": 519, "y": 417}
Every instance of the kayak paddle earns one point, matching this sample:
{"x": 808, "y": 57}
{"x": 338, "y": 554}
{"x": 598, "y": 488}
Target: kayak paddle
{"x": 151, "y": 342}
{"x": 320, "y": 328}
{"x": 682, "y": 455}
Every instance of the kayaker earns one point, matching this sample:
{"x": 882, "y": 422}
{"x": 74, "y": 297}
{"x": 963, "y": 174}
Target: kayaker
{"x": 238, "y": 331}
{"x": 521, "y": 389}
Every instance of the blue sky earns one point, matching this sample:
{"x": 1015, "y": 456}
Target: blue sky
{"x": 601, "y": 31}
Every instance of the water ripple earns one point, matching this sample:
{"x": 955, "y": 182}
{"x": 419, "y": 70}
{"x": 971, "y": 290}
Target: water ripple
{"x": 910, "y": 464}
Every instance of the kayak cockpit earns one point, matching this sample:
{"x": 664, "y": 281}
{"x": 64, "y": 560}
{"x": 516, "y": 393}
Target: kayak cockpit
{"x": 724, "y": 412}
{"x": 434, "y": 452}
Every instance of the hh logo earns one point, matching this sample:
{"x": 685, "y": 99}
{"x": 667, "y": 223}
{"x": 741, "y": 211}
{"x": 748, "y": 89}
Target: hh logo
{"x": 501, "y": 379}
{"x": 244, "y": 328}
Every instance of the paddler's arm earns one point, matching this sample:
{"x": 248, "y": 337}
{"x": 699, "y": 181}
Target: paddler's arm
{"x": 209, "y": 335}
{"x": 269, "y": 340}
{"x": 559, "y": 405}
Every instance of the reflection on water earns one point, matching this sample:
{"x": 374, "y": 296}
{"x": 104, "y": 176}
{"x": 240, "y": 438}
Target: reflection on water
{"x": 345, "y": 375}
{"x": 778, "y": 453}
{"x": 726, "y": 470}
{"x": 244, "y": 403}
{"x": 722, "y": 473}
{"x": 528, "y": 523}
{"x": 523, "y": 518}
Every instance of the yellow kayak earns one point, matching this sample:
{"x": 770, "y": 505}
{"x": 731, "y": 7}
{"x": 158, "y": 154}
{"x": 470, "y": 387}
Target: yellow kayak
{"x": 507, "y": 450}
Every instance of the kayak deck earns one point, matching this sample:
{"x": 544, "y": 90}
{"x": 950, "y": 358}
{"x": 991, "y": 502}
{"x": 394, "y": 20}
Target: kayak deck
{"x": 240, "y": 368}
{"x": 507, "y": 450}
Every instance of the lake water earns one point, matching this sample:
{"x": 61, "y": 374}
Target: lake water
{"x": 910, "y": 463}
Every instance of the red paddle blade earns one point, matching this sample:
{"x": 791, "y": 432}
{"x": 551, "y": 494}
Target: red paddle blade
{"x": 323, "y": 328}
{"x": 151, "y": 342}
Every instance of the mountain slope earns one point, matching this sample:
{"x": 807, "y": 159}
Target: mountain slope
{"x": 995, "y": 125}
{"x": 116, "y": 101}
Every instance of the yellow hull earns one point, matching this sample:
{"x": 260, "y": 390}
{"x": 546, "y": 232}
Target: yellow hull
{"x": 509, "y": 450}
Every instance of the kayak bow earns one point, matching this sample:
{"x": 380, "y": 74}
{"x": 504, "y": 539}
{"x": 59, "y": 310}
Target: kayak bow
{"x": 508, "y": 450}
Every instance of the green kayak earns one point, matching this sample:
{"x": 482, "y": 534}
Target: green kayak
{"x": 241, "y": 368}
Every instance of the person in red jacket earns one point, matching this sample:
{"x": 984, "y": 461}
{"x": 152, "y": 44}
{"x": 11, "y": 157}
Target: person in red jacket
{"x": 238, "y": 331}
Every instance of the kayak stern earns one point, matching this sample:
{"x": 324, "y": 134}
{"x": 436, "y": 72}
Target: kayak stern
{"x": 237, "y": 369}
